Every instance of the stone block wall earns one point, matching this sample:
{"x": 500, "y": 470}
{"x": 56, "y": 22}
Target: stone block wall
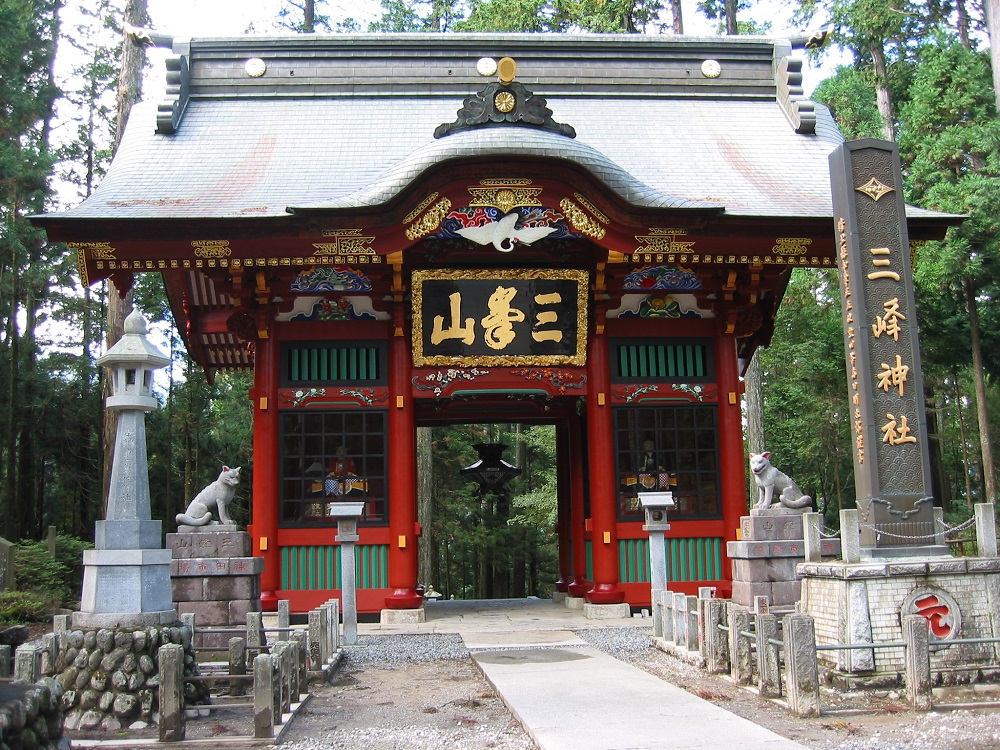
{"x": 865, "y": 602}
{"x": 214, "y": 578}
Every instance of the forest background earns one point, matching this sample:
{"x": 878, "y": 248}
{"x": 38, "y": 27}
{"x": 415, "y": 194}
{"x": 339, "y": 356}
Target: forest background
{"x": 917, "y": 71}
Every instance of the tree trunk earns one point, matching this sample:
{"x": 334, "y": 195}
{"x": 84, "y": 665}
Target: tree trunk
{"x": 965, "y": 446}
{"x": 675, "y": 10}
{"x": 992, "y": 8}
{"x": 756, "y": 438}
{"x": 425, "y": 504}
{"x": 938, "y": 489}
{"x": 309, "y": 16}
{"x": 129, "y": 87}
{"x": 883, "y": 97}
{"x": 731, "y": 25}
{"x": 980, "y": 380}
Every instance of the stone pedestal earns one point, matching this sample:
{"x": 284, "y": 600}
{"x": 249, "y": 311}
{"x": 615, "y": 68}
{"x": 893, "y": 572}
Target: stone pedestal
{"x": 867, "y": 602}
{"x": 764, "y": 560}
{"x": 214, "y": 577}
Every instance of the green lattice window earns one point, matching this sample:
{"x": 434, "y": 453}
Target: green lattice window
{"x": 340, "y": 362}
{"x": 673, "y": 361}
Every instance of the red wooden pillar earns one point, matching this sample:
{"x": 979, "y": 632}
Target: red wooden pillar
{"x": 265, "y": 469}
{"x": 563, "y": 458}
{"x": 578, "y": 459}
{"x": 601, "y": 462}
{"x": 403, "y": 474}
{"x": 734, "y": 488}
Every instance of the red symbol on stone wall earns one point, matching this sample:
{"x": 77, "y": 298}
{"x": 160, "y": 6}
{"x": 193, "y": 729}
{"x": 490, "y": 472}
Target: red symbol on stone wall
{"x": 937, "y": 613}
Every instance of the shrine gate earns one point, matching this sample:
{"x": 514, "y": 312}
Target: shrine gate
{"x": 396, "y": 231}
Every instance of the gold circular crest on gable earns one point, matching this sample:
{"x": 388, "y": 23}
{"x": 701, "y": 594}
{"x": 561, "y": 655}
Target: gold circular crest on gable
{"x": 504, "y": 101}
{"x": 507, "y": 69}
{"x": 255, "y": 67}
{"x": 711, "y": 69}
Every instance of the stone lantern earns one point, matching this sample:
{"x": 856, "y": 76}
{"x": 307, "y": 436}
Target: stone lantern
{"x": 126, "y": 578}
{"x": 655, "y": 506}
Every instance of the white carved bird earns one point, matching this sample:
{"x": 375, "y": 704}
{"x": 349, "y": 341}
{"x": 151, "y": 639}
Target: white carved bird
{"x": 503, "y": 234}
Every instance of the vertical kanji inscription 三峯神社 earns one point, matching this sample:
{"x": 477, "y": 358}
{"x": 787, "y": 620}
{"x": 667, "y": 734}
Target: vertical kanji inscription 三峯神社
{"x": 891, "y": 460}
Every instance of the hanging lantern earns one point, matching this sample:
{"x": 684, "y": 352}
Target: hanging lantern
{"x": 491, "y": 472}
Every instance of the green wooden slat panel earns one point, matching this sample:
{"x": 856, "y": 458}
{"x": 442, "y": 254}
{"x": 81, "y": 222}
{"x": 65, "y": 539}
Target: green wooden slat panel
{"x": 324, "y": 367}
{"x": 689, "y": 356}
{"x": 671, "y": 362}
{"x": 661, "y": 361}
{"x": 590, "y": 560}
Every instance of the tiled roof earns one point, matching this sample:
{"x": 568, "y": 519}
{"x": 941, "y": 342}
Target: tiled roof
{"x": 257, "y": 147}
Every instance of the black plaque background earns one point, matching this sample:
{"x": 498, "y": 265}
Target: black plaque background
{"x": 475, "y": 298}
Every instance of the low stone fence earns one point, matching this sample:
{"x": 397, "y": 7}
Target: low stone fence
{"x": 107, "y": 678}
{"x": 777, "y": 652}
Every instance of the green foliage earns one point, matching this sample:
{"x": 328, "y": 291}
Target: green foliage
{"x": 23, "y": 607}
{"x": 57, "y": 579}
{"x": 850, "y": 95}
{"x": 494, "y": 545}
{"x": 806, "y": 408}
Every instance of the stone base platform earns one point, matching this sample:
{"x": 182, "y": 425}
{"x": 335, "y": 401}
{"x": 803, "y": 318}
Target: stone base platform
{"x": 606, "y": 611}
{"x": 764, "y": 560}
{"x": 574, "y": 602}
{"x": 866, "y": 602}
{"x": 214, "y": 578}
{"x": 403, "y": 616}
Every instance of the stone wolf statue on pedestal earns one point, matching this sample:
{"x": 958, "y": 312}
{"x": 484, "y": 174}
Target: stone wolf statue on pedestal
{"x": 769, "y": 479}
{"x": 215, "y": 496}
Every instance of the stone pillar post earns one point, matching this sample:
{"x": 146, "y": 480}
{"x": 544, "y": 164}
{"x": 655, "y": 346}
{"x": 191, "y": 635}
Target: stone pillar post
{"x": 263, "y": 702}
{"x": 918, "y": 663}
{"x": 171, "y": 693}
{"x": 850, "y": 535}
{"x": 800, "y": 665}
{"x": 716, "y": 643}
{"x": 812, "y": 537}
{"x": 691, "y": 615}
{"x": 28, "y": 663}
{"x": 986, "y": 529}
{"x": 237, "y": 665}
{"x": 739, "y": 646}
{"x": 768, "y": 665}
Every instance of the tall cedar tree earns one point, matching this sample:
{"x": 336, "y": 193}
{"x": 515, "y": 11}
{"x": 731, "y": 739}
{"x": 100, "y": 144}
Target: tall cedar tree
{"x": 27, "y": 263}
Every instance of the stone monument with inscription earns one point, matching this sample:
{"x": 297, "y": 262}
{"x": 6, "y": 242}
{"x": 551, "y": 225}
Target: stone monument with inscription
{"x": 894, "y": 561}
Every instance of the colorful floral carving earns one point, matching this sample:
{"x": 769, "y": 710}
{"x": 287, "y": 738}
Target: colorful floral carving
{"x": 664, "y": 278}
{"x": 336, "y": 309}
{"x": 560, "y": 380}
{"x": 439, "y": 381}
{"x": 331, "y": 279}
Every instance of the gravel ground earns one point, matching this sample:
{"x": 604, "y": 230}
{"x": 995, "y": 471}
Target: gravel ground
{"x": 424, "y": 691}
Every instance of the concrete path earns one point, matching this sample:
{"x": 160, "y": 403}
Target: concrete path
{"x": 570, "y": 696}
{"x": 574, "y": 697}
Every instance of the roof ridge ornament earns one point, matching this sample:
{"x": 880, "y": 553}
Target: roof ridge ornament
{"x": 503, "y": 102}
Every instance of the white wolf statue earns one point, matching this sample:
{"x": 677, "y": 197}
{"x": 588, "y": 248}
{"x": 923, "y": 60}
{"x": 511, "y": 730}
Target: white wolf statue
{"x": 769, "y": 480}
{"x": 215, "y": 496}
